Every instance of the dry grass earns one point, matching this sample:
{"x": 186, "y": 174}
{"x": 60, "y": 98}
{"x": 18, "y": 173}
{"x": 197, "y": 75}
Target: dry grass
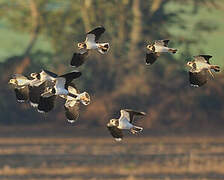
{"x": 102, "y": 158}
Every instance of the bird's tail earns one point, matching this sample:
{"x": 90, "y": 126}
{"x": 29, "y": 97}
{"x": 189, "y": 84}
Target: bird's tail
{"x": 85, "y": 98}
{"x": 171, "y": 50}
{"x": 215, "y": 68}
{"x": 136, "y": 129}
{"x": 103, "y": 47}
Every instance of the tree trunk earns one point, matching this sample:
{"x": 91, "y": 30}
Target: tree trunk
{"x": 136, "y": 30}
{"x": 85, "y": 6}
{"x": 25, "y": 60}
{"x": 122, "y": 18}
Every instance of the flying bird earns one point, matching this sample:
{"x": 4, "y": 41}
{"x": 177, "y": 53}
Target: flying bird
{"x": 115, "y": 126}
{"x": 61, "y": 84}
{"x": 73, "y": 100}
{"x": 20, "y": 85}
{"x": 200, "y": 68}
{"x": 23, "y": 87}
{"x": 90, "y": 43}
{"x": 155, "y": 49}
{"x": 60, "y": 87}
{"x": 31, "y": 89}
{"x": 42, "y": 90}
{"x": 43, "y": 76}
{"x": 43, "y": 80}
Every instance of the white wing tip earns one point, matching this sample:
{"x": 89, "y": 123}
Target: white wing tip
{"x": 71, "y": 120}
{"x": 20, "y": 101}
{"x": 33, "y": 104}
{"x": 118, "y": 139}
{"x": 194, "y": 85}
{"x": 40, "y": 111}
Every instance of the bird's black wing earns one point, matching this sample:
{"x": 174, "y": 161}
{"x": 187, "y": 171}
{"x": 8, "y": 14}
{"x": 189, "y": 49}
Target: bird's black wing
{"x": 162, "y": 42}
{"x": 35, "y": 93}
{"x": 203, "y": 57}
{"x": 97, "y": 32}
{"x": 46, "y": 104}
{"x": 133, "y": 113}
{"x": 115, "y": 132}
{"x": 72, "y": 113}
{"x": 22, "y": 94}
{"x": 78, "y": 58}
{"x": 50, "y": 73}
{"x": 198, "y": 79}
{"x": 70, "y": 76}
{"x": 151, "y": 58}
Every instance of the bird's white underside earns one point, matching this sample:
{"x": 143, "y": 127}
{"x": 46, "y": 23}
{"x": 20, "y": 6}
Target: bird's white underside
{"x": 161, "y": 48}
{"x": 60, "y": 86}
{"x": 124, "y": 121}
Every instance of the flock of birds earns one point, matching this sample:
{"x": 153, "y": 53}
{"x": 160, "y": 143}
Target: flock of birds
{"x": 42, "y": 89}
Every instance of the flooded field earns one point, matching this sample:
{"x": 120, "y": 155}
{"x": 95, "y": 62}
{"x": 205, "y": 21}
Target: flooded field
{"x": 93, "y": 158}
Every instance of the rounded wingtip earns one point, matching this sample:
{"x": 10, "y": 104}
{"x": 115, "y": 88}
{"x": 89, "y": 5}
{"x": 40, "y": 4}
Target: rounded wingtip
{"x": 71, "y": 120}
{"x": 33, "y": 104}
{"x": 148, "y": 64}
{"x": 118, "y": 139}
{"x": 40, "y": 111}
{"x": 195, "y": 86}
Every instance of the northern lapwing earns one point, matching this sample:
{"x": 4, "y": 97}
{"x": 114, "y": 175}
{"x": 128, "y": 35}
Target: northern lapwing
{"x": 73, "y": 100}
{"x": 115, "y": 126}
{"x": 90, "y": 43}
{"x": 200, "y": 67}
{"x": 155, "y": 49}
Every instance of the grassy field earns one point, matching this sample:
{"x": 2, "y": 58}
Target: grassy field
{"x": 76, "y": 158}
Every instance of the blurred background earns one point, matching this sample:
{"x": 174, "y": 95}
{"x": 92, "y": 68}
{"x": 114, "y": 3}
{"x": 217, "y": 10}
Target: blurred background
{"x": 183, "y": 131}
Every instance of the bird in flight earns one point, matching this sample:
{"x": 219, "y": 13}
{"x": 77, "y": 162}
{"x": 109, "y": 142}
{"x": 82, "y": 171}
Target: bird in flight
{"x": 73, "y": 100}
{"x": 115, "y": 126}
{"x": 90, "y": 43}
{"x": 200, "y": 68}
{"x": 30, "y": 90}
{"x": 155, "y": 49}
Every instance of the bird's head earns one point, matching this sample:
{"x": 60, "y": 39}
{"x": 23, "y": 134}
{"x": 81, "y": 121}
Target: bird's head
{"x": 190, "y": 64}
{"x": 85, "y": 98}
{"x": 81, "y": 45}
{"x": 12, "y": 81}
{"x": 150, "y": 47}
{"x": 114, "y": 122}
{"x": 48, "y": 92}
{"x": 35, "y": 75}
